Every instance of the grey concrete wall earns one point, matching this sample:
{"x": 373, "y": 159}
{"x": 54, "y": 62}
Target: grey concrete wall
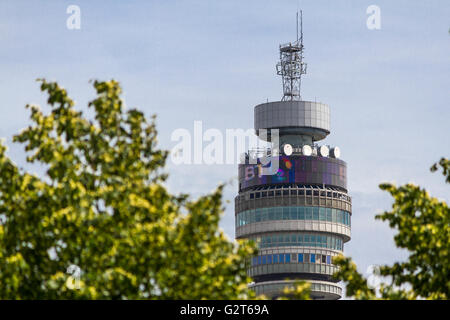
{"x": 281, "y": 114}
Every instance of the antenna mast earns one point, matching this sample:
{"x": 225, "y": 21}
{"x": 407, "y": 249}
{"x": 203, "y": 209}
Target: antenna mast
{"x": 291, "y": 65}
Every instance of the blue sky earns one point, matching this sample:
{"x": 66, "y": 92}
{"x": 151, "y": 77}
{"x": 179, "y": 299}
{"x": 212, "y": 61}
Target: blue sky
{"x": 388, "y": 89}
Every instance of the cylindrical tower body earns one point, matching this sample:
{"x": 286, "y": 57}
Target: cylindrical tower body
{"x": 300, "y": 214}
{"x": 294, "y": 202}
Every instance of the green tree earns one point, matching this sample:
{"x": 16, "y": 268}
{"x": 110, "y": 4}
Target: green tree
{"x": 423, "y": 225}
{"x": 102, "y": 207}
{"x": 299, "y": 290}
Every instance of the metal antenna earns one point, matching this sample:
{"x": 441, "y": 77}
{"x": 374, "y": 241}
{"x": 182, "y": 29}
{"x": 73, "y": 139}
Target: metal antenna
{"x": 291, "y": 65}
{"x": 301, "y": 28}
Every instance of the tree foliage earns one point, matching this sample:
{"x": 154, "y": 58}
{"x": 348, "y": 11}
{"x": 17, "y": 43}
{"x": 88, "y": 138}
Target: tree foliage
{"x": 423, "y": 225}
{"x": 102, "y": 208}
{"x": 299, "y": 290}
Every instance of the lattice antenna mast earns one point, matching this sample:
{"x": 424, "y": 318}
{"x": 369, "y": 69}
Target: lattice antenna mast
{"x": 291, "y": 65}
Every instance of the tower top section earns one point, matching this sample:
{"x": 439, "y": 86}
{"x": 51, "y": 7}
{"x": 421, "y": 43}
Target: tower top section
{"x": 291, "y": 65}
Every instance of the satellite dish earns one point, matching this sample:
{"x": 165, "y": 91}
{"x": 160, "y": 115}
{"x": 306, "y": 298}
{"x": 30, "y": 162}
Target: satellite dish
{"x": 287, "y": 149}
{"x": 324, "y": 151}
{"x": 336, "y": 152}
{"x": 306, "y": 150}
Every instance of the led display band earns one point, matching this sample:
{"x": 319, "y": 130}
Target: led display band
{"x": 296, "y": 169}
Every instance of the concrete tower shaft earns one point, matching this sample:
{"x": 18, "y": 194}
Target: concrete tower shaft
{"x": 300, "y": 214}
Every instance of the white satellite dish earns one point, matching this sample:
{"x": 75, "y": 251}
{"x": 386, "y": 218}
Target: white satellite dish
{"x": 324, "y": 151}
{"x": 287, "y": 149}
{"x": 306, "y": 150}
{"x": 336, "y": 152}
